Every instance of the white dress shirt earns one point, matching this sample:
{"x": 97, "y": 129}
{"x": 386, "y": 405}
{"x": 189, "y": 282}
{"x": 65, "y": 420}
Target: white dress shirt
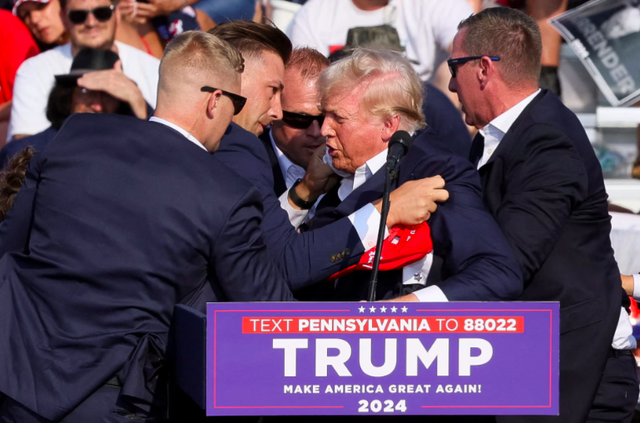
{"x": 180, "y": 130}
{"x": 291, "y": 172}
{"x": 493, "y": 134}
{"x": 366, "y": 222}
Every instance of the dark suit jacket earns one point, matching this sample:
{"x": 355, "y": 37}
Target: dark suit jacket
{"x": 545, "y": 188}
{"x": 472, "y": 260}
{"x": 130, "y": 218}
{"x": 279, "y": 184}
{"x": 304, "y": 258}
{"x": 446, "y": 121}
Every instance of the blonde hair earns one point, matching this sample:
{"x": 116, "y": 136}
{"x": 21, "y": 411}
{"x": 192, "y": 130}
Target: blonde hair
{"x": 393, "y": 87}
{"x": 197, "y": 53}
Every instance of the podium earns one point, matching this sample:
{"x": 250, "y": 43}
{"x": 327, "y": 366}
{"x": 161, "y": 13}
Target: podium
{"x": 186, "y": 355}
{"x": 274, "y": 359}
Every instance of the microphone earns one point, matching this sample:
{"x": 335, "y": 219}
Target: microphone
{"x": 398, "y": 147}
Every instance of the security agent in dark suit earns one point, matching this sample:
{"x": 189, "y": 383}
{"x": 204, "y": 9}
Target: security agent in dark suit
{"x": 364, "y": 108}
{"x": 130, "y": 219}
{"x": 309, "y": 257}
{"x": 291, "y": 141}
{"x": 543, "y": 184}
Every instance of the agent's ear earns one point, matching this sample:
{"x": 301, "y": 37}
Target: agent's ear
{"x": 391, "y": 125}
{"x": 487, "y": 69}
{"x": 212, "y": 104}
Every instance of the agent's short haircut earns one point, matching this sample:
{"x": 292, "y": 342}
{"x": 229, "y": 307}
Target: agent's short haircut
{"x": 393, "y": 86}
{"x": 509, "y": 34}
{"x": 251, "y": 39}
{"x": 308, "y": 62}
{"x": 199, "y": 53}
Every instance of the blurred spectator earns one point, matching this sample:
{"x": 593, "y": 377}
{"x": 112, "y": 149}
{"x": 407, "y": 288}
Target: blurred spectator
{"x": 149, "y": 26}
{"x": 114, "y": 94}
{"x": 16, "y": 45}
{"x": 425, "y": 27}
{"x": 90, "y": 23}
{"x": 12, "y": 178}
{"x": 635, "y": 171}
{"x": 42, "y": 17}
{"x": 222, "y": 11}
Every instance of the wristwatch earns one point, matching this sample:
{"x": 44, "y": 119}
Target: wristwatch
{"x": 295, "y": 198}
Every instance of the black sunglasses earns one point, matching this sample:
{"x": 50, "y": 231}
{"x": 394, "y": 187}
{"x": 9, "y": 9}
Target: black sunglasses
{"x": 463, "y": 60}
{"x": 102, "y": 14}
{"x": 237, "y": 100}
{"x": 300, "y": 120}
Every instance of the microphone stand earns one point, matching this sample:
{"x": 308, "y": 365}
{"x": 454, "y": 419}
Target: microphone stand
{"x": 390, "y": 175}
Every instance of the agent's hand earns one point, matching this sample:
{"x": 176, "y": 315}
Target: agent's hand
{"x": 115, "y": 83}
{"x": 414, "y": 201}
{"x": 318, "y": 180}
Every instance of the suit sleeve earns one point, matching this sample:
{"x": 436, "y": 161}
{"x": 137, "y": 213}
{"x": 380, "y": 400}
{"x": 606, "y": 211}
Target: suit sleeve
{"x": 242, "y": 264}
{"x": 475, "y": 253}
{"x": 541, "y": 192}
{"x": 15, "y": 228}
{"x": 304, "y": 258}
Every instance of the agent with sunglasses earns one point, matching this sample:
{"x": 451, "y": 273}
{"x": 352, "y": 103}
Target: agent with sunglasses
{"x": 544, "y": 186}
{"x": 291, "y": 141}
{"x": 90, "y": 24}
{"x": 305, "y": 258}
{"x": 129, "y": 218}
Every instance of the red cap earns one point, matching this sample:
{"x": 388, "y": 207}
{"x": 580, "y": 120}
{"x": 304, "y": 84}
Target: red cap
{"x": 403, "y": 246}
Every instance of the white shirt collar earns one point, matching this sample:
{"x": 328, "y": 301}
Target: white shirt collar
{"x": 291, "y": 172}
{"x": 180, "y": 130}
{"x": 495, "y": 130}
{"x": 362, "y": 174}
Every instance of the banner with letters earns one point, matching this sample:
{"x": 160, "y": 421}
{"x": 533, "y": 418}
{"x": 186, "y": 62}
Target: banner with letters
{"x": 605, "y": 34}
{"x": 382, "y": 358}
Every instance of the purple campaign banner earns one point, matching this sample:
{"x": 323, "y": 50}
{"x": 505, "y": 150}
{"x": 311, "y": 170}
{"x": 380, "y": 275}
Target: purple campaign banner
{"x": 382, "y": 358}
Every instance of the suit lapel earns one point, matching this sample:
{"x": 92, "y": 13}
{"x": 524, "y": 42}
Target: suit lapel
{"x": 366, "y": 193}
{"x": 510, "y": 137}
{"x": 477, "y": 148}
{"x": 279, "y": 185}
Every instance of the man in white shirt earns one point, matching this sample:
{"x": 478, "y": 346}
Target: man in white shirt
{"x": 426, "y": 27}
{"x": 305, "y": 258}
{"x": 366, "y": 98}
{"x": 544, "y": 185}
{"x": 90, "y": 23}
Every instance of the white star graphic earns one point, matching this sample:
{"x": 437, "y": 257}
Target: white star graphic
{"x": 394, "y": 309}
{"x": 361, "y": 309}
{"x": 404, "y": 309}
{"x": 372, "y": 309}
{"x": 383, "y": 309}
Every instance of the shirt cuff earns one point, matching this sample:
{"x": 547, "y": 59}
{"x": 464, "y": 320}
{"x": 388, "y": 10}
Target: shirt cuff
{"x": 636, "y": 287}
{"x": 431, "y": 294}
{"x": 623, "y": 337}
{"x": 296, "y": 217}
